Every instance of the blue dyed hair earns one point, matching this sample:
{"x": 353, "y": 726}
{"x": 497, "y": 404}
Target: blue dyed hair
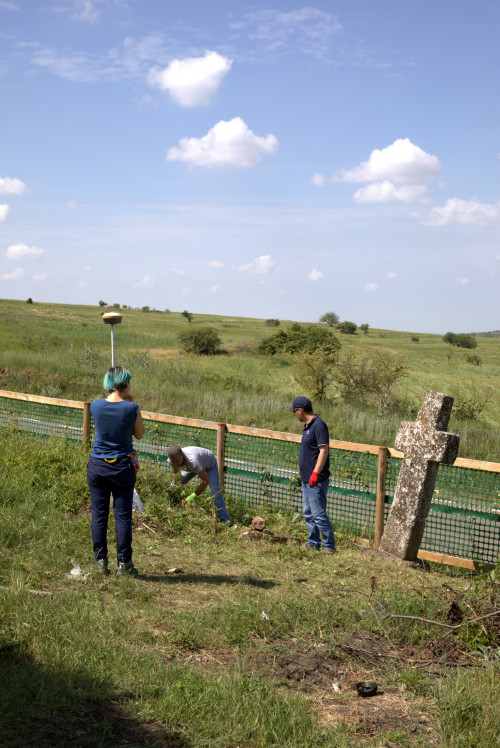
{"x": 116, "y": 378}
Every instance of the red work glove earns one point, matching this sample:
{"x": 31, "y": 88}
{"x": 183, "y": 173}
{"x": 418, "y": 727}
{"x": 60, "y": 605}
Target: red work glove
{"x": 313, "y": 480}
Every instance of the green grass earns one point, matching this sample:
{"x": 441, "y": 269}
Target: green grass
{"x": 61, "y": 350}
{"x": 188, "y": 658}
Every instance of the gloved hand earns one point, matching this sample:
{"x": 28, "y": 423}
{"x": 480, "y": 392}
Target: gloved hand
{"x": 313, "y": 480}
{"x": 189, "y": 499}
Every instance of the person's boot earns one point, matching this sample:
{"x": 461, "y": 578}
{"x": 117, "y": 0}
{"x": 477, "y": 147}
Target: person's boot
{"x": 102, "y": 566}
{"x": 126, "y": 569}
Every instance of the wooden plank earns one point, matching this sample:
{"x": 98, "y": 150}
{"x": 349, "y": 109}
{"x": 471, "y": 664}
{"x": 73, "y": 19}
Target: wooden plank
{"x": 380, "y": 501}
{"x": 40, "y": 399}
{"x": 492, "y": 467}
{"x": 288, "y": 437}
{"x": 439, "y": 558}
{"x": 180, "y": 420}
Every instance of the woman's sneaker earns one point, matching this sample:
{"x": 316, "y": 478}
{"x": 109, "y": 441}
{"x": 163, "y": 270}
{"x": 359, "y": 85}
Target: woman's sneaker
{"x": 102, "y": 566}
{"x": 126, "y": 569}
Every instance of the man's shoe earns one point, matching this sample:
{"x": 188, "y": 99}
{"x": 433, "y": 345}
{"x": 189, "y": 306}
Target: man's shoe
{"x": 102, "y": 566}
{"x": 310, "y": 547}
{"x": 126, "y": 569}
{"x": 327, "y": 550}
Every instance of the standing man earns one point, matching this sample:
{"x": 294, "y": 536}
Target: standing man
{"x": 193, "y": 461}
{"x": 314, "y": 466}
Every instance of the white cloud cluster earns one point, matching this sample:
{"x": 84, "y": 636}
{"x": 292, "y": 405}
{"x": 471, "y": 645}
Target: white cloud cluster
{"x": 23, "y": 252}
{"x": 4, "y": 212}
{"x": 460, "y": 211}
{"x": 145, "y": 282}
{"x": 462, "y": 281}
{"x": 228, "y": 145}
{"x": 371, "y": 286}
{"x": 16, "y": 274}
{"x": 398, "y": 173}
{"x": 192, "y": 81}
{"x": 260, "y": 265}
{"x": 315, "y": 275}
{"x": 10, "y": 186}
{"x": 215, "y": 264}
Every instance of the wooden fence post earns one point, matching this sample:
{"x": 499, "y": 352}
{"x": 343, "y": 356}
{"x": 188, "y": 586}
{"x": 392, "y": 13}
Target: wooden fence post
{"x": 380, "y": 502}
{"x": 86, "y": 425}
{"x": 221, "y": 438}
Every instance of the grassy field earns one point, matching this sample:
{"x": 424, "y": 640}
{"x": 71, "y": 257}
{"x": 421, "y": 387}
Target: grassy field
{"x": 62, "y": 351}
{"x": 223, "y": 643}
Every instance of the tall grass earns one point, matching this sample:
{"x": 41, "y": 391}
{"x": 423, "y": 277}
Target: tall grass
{"x": 63, "y": 351}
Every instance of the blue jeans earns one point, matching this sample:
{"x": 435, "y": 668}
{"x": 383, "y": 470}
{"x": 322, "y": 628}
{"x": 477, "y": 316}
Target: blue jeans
{"x": 106, "y": 478}
{"x": 214, "y": 485}
{"x": 315, "y": 514}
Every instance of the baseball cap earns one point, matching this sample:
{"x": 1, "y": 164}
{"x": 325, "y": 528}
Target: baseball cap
{"x": 301, "y": 402}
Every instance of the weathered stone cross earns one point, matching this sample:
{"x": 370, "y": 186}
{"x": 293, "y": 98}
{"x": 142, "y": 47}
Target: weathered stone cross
{"x": 425, "y": 444}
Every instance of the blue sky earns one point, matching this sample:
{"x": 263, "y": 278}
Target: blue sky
{"x": 268, "y": 159}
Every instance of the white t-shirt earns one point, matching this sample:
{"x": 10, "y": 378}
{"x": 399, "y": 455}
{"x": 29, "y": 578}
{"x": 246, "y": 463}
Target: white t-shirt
{"x": 197, "y": 459}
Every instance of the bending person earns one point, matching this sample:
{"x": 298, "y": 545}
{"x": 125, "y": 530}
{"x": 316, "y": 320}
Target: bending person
{"x": 203, "y": 463}
{"x": 111, "y": 470}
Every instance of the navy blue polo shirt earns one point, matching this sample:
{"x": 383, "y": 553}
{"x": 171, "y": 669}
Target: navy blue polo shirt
{"x": 315, "y": 434}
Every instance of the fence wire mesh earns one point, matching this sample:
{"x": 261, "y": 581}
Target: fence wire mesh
{"x": 464, "y": 519}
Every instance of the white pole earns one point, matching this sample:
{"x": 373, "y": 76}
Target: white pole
{"x": 112, "y": 345}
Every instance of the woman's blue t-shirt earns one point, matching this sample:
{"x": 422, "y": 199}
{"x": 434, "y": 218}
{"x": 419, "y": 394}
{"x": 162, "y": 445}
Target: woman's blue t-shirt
{"x": 114, "y": 425}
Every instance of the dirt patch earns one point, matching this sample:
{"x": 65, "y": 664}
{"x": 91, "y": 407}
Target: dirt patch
{"x": 163, "y": 352}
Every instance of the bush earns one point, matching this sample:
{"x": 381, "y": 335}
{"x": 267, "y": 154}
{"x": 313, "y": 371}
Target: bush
{"x": 368, "y": 377}
{"x": 460, "y": 340}
{"x": 415, "y": 338}
{"x": 204, "y": 341}
{"x": 314, "y": 371}
{"x": 272, "y": 323}
{"x": 473, "y": 359}
{"x": 365, "y": 327}
{"x": 300, "y": 339}
{"x": 347, "y": 328}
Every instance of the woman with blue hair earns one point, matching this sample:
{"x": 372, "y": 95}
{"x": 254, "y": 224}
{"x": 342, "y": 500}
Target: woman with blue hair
{"x": 112, "y": 468}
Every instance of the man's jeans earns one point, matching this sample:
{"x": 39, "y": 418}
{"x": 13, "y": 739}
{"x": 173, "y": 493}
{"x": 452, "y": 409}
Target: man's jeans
{"x": 315, "y": 514}
{"x": 117, "y": 478}
{"x": 213, "y": 482}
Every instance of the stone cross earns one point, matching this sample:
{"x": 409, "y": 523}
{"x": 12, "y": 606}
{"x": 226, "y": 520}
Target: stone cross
{"x": 425, "y": 444}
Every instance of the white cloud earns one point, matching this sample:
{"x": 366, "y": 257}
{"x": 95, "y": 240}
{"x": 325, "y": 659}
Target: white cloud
{"x": 259, "y": 265}
{"x": 371, "y": 286}
{"x": 145, "y": 282}
{"x": 402, "y": 162}
{"x": 15, "y": 275}
{"x": 71, "y": 205}
{"x": 460, "y": 211}
{"x": 318, "y": 180}
{"x": 178, "y": 271}
{"x": 4, "y": 212}
{"x": 228, "y": 145}
{"x": 315, "y": 275}
{"x": 387, "y": 192}
{"x": 193, "y": 81}
{"x": 23, "y": 252}
{"x": 39, "y": 277}
{"x": 214, "y": 289}
{"x": 6, "y": 5}
{"x": 215, "y": 264}
{"x": 462, "y": 281}
{"x": 10, "y": 186}
{"x": 391, "y": 275}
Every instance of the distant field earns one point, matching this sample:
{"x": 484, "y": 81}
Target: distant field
{"x": 62, "y": 350}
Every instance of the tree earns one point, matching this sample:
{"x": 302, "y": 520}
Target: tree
{"x": 314, "y": 371}
{"x": 272, "y": 323}
{"x": 347, "y": 328}
{"x": 370, "y": 377}
{"x": 365, "y": 326}
{"x": 187, "y": 315}
{"x": 29, "y": 300}
{"x": 299, "y": 339}
{"x": 330, "y": 318}
{"x": 204, "y": 341}
{"x": 103, "y": 303}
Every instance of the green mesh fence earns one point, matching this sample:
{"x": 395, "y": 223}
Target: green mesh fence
{"x": 464, "y": 519}
{"x": 43, "y": 419}
{"x": 159, "y": 435}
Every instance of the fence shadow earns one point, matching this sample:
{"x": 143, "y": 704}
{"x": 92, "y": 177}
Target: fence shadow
{"x": 218, "y": 579}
